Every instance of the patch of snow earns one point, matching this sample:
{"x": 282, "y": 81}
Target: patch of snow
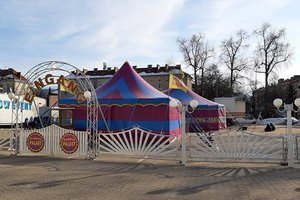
{"x": 245, "y": 121}
{"x": 9, "y": 76}
{"x": 275, "y": 121}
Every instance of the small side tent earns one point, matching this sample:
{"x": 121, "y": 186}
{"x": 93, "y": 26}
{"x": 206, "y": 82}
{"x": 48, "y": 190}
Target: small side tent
{"x": 126, "y": 101}
{"x": 207, "y": 116}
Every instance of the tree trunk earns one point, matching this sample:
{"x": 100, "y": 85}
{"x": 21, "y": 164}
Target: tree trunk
{"x": 195, "y": 77}
{"x": 202, "y": 81}
{"x": 231, "y": 83}
{"x": 266, "y": 93}
{"x": 195, "y": 80}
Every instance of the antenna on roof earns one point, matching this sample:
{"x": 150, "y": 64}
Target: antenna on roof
{"x": 104, "y": 65}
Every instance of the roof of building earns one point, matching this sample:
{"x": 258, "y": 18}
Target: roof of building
{"x": 10, "y": 73}
{"x": 143, "y": 71}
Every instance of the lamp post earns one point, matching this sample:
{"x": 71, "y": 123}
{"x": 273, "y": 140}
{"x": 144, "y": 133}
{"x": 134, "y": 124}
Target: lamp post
{"x": 290, "y": 138}
{"x": 183, "y": 109}
{"x": 12, "y": 98}
{"x": 88, "y": 96}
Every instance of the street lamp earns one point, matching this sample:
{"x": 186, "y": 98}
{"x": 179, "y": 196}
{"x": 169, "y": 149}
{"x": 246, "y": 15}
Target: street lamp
{"x": 12, "y": 98}
{"x": 182, "y": 108}
{"x": 88, "y": 96}
{"x": 288, "y": 108}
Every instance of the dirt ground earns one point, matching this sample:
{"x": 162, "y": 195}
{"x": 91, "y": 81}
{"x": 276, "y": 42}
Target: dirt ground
{"x": 279, "y": 129}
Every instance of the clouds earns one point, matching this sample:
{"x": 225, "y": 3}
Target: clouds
{"x": 95, "y": 30}
{"x": 224, "y": 17}
{"x": 135, "y": 28}
{"x": 87, "y": 33}
{"x": 221, "y": 19}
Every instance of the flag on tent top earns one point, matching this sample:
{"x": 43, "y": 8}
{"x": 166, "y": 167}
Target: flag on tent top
{"x": 175, "y": 83}
{"x": 64, "y": 87}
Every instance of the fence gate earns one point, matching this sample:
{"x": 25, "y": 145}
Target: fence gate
{"x": 297, "y": 149}
{"x": 236, "y": 146}
{"x": 53, "y": 140}
{"x": 139, "y": 143}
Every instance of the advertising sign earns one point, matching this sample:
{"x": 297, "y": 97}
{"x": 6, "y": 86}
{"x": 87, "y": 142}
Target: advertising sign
{"x": 69, "y": 143}
{"x": 35, "y": 142}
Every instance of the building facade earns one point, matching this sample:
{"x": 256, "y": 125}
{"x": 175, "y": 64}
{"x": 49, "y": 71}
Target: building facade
{"x": 279, "y": 90}
{"x": 157, "y": 76}
{"x": 11, "y": 80}
{"x": 235, "y": 106}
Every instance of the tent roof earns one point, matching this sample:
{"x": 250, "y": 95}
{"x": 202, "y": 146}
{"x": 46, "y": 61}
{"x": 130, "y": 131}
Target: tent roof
{"x": 186, "y": 97}
{"x": 128, "y": 84}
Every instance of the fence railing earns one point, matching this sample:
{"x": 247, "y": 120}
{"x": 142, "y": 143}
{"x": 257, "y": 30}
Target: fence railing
{"x": 297, "y": 148}
{"x": 233, "y": 145}
{"x": 138, "y": 142}
{"x": 53, "y": 140}
{"x": 239, "y": 146}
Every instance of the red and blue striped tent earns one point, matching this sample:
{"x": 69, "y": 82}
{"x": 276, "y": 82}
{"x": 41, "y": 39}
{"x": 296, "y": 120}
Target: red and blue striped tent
{"x": 127, "y": 100}
{"x": 208, "y": 115}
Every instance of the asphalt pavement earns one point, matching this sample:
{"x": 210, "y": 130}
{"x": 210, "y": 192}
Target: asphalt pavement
{"x": 117, "y": 178}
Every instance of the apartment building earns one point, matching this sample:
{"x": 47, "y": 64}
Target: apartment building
{"x": 157, "y": 76}
{"x": 12, "y": 80}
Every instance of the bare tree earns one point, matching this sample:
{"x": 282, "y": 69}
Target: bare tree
{"x": 272, "y": 50}
{"x": 196, "y": 52}
{"x": 215, "y": 83}
{"x": 232, "y": 56}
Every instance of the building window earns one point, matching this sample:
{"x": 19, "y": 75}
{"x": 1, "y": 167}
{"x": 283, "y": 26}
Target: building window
{"x": 159, "y": 85}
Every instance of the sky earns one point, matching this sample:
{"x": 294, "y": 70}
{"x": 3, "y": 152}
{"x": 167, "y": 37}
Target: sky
{"x": 88, "y": 33}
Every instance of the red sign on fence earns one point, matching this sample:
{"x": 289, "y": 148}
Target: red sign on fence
{"x": 69, "y": 143}
{"x": 35, "y": 142}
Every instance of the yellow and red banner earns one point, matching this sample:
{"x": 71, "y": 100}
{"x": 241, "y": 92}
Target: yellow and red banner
{"x": 64, "y": 86}
{"x": 176, "y": 83}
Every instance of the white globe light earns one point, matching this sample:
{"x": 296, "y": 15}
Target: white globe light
{"x": 297, "y": 102}
{"x": 277, "y": 102}
{"x": 173, "y": 104}
{"x": 194, "y": 103}
{"x": 87, "y": 95}
{"x": 11, "y": 95}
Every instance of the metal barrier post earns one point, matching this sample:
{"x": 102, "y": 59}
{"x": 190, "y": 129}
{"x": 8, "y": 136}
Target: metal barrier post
{"x": 297, "y": 147}
{"x": 183, "y": 136}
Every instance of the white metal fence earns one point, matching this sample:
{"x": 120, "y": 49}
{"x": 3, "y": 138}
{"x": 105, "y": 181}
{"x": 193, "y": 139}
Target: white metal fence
{"x": 4, "y": 143}
{"x": 237, "y": 146}
{"x": 140, "y": 143}
{"x": 229, "y": 146}
{"x": 297, "y": 148}
{"x": 52, "y": 136}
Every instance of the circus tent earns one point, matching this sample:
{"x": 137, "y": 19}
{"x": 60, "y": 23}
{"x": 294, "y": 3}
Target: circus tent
{"x": 207, "y": 116}
{"x": 127, "y": 100}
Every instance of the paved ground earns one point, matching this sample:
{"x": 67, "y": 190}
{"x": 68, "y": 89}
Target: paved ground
{"x": 37, "y": 177}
